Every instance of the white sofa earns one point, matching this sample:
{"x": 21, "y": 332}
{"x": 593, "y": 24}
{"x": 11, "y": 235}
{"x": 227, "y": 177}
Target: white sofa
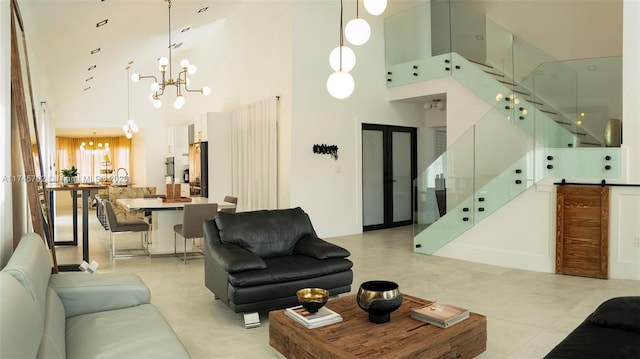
{"x": 75, "y": 314}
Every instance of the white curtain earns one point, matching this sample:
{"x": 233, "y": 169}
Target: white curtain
{"x": 255, "y": 162}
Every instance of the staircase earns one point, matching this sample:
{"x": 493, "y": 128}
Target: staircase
{"x": 523, "y": 139}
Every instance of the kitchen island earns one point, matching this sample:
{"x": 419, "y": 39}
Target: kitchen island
{"x": 164, "y": 215}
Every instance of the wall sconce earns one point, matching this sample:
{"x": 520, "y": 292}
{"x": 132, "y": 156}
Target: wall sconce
{"x": 436, "y": 103}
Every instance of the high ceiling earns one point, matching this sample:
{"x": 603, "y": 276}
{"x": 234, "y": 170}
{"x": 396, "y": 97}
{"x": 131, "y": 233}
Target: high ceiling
{"x": 77, "y": 59}
{"x": 83, "y": 46}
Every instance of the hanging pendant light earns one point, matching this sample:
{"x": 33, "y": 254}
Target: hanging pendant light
{"x": 375, "y": 7}
{"x": 357, "y": 30}
{"x": 181, "y": 82}
{"x": 340, "y": 84}
{"x": 130, "y": 127}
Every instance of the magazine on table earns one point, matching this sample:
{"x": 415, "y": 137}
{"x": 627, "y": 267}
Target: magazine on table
{"x": 324, "y": 316}
{"x": 440, "y": 314}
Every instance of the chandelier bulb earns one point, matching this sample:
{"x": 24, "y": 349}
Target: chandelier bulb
{"x": 157, "y": 103}
{"x": 125, "y": 128}
{"x": 163, "y": 61}
{"x": 206, "y": 90}
{"x": 192, "y": 69}
{"x": 375, "y": 7}
{"x": 129, "y": 135}
{"x": 357, "y": 31}
{"x": 348, "y": 59}
{"x": 155, "y": 87}
{"x": 135, "y": 77}
{"x": 184, "y": 63}
{"x": 340, "y": 84}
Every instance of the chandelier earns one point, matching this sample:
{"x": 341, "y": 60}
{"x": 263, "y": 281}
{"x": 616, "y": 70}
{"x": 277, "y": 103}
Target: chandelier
{"x": 130, "y": 127}
{"x": 181, "y": 82}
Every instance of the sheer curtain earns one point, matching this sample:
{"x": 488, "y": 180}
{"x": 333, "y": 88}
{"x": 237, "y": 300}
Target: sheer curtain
{"x": 90, "y": 161}
{"x": 254, "y": 151}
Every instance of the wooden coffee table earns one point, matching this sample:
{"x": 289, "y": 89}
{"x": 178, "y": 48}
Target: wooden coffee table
{"x": 356, "y": 337}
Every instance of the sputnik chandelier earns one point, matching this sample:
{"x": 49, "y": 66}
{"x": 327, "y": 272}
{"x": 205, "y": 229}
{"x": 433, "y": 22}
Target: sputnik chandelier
{"x": 342, "y": 59}
{"x": 181, "y": 82}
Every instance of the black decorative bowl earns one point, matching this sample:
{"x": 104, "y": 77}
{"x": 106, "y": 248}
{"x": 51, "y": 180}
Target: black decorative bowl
{"x": 312, "y": 299}
{"x": 379, "y": 298}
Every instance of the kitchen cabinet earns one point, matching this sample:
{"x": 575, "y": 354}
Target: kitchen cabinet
{"x": 200, "y": 127}
{"x": 177, "y": 141}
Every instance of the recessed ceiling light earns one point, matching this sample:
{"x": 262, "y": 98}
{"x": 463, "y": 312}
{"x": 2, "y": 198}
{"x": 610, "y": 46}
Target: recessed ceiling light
{"x": 186, "y": 29}
{"x": 203, "y": 9}
{"x": 95, "y": 51}
{"x": 592, "y": 68}
{"x": 92, "y": 67}
{"x": 87, "y": 88}
{"x": 89, "y": 78}
{"x": 479, "y": 37}
{"x": 102, "y": 23}
{"x": 175, "y": 46}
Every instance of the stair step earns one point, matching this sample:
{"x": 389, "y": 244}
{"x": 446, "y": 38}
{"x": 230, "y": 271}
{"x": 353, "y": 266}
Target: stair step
{"x": 480, "y": 63}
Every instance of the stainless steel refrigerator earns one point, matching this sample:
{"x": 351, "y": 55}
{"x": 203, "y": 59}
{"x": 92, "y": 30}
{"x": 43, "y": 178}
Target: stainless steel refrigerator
{"x": 198, "y": 169}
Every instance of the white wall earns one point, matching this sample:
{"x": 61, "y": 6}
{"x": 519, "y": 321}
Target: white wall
{"x": 330, "y": 190}
{"x": 220, "y": 168}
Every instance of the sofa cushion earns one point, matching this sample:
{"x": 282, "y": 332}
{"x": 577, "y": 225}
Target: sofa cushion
{"x": 82, "y": 293}
{"x": 621, "y": 312}
{"x": 31, "y": 266}
{"x": 272, "y": 233}
{"x": 21, "y": 325}
{"x": 140, "y": 332}
{"x": 289, "y": 268}
{"x": 53, "y": 343}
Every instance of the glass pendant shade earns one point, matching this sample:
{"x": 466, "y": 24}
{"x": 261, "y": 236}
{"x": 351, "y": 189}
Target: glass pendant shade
{"x": 340, "y": 84}
{"x": 375, "y": 7}
{"x": 348, "y": 59}
{"x": 357, "y": 31}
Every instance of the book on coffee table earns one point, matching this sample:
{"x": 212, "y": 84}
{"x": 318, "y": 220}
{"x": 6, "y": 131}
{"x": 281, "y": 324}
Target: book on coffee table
{"x": 440, "y": 314}
{"x": 324, "y": 316}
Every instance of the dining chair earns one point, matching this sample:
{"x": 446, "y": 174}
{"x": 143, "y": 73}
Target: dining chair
{"x": 230, "y": 199}
{"x": 126, "y": 226}
{"x": 193, "y": 217}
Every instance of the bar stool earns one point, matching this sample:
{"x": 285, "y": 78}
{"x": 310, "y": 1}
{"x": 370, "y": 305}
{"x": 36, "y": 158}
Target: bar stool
{"x": 121, "y": 227}
{"x": 193, "y": 217}
{"x": 230, "y": 199}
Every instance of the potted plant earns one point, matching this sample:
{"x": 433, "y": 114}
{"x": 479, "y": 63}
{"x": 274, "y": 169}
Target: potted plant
{"x": 69, "y": 175}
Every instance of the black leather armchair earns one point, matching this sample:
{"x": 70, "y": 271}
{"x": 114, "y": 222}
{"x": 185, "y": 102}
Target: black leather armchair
{"x": 257, "y": 261}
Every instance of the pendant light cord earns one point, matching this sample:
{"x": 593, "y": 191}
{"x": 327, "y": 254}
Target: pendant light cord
{"x": 170, "y": 71}
{"x": 341, "y": 34}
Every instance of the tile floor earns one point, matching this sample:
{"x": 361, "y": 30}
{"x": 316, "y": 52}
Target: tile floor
{"x": 528, "y": 313}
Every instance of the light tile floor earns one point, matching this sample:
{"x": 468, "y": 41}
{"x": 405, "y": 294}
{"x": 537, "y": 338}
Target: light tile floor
{"x": 528, "y": 313}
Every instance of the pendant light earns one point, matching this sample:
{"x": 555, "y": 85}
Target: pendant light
{"x": 130, "y": 127}
{"x": 340, "y": 83}
{"x": 357, "y": 30}
{"x": 375, "y": 7}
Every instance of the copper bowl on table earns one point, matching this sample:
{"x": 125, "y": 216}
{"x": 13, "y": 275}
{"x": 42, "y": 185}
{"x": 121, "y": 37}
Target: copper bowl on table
{"x": 312, "y": 299}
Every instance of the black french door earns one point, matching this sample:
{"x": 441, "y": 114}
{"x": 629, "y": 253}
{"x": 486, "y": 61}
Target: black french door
{"x": 388, "y": 169}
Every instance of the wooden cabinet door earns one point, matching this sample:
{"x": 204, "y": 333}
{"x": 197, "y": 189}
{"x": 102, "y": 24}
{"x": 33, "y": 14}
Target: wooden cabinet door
{"x": 582, "y": 231}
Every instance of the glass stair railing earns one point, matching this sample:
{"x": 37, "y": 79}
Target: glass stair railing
{"x": 521, "y": 141}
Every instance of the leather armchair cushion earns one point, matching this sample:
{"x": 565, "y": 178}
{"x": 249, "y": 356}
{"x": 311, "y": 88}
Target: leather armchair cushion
{"x": 319, "y": 249}
{"x": 621, "y": 312}
{"x": 235, "y": 258}
{"x": 272, "y": 233}
{"x": 289, "y": 268}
